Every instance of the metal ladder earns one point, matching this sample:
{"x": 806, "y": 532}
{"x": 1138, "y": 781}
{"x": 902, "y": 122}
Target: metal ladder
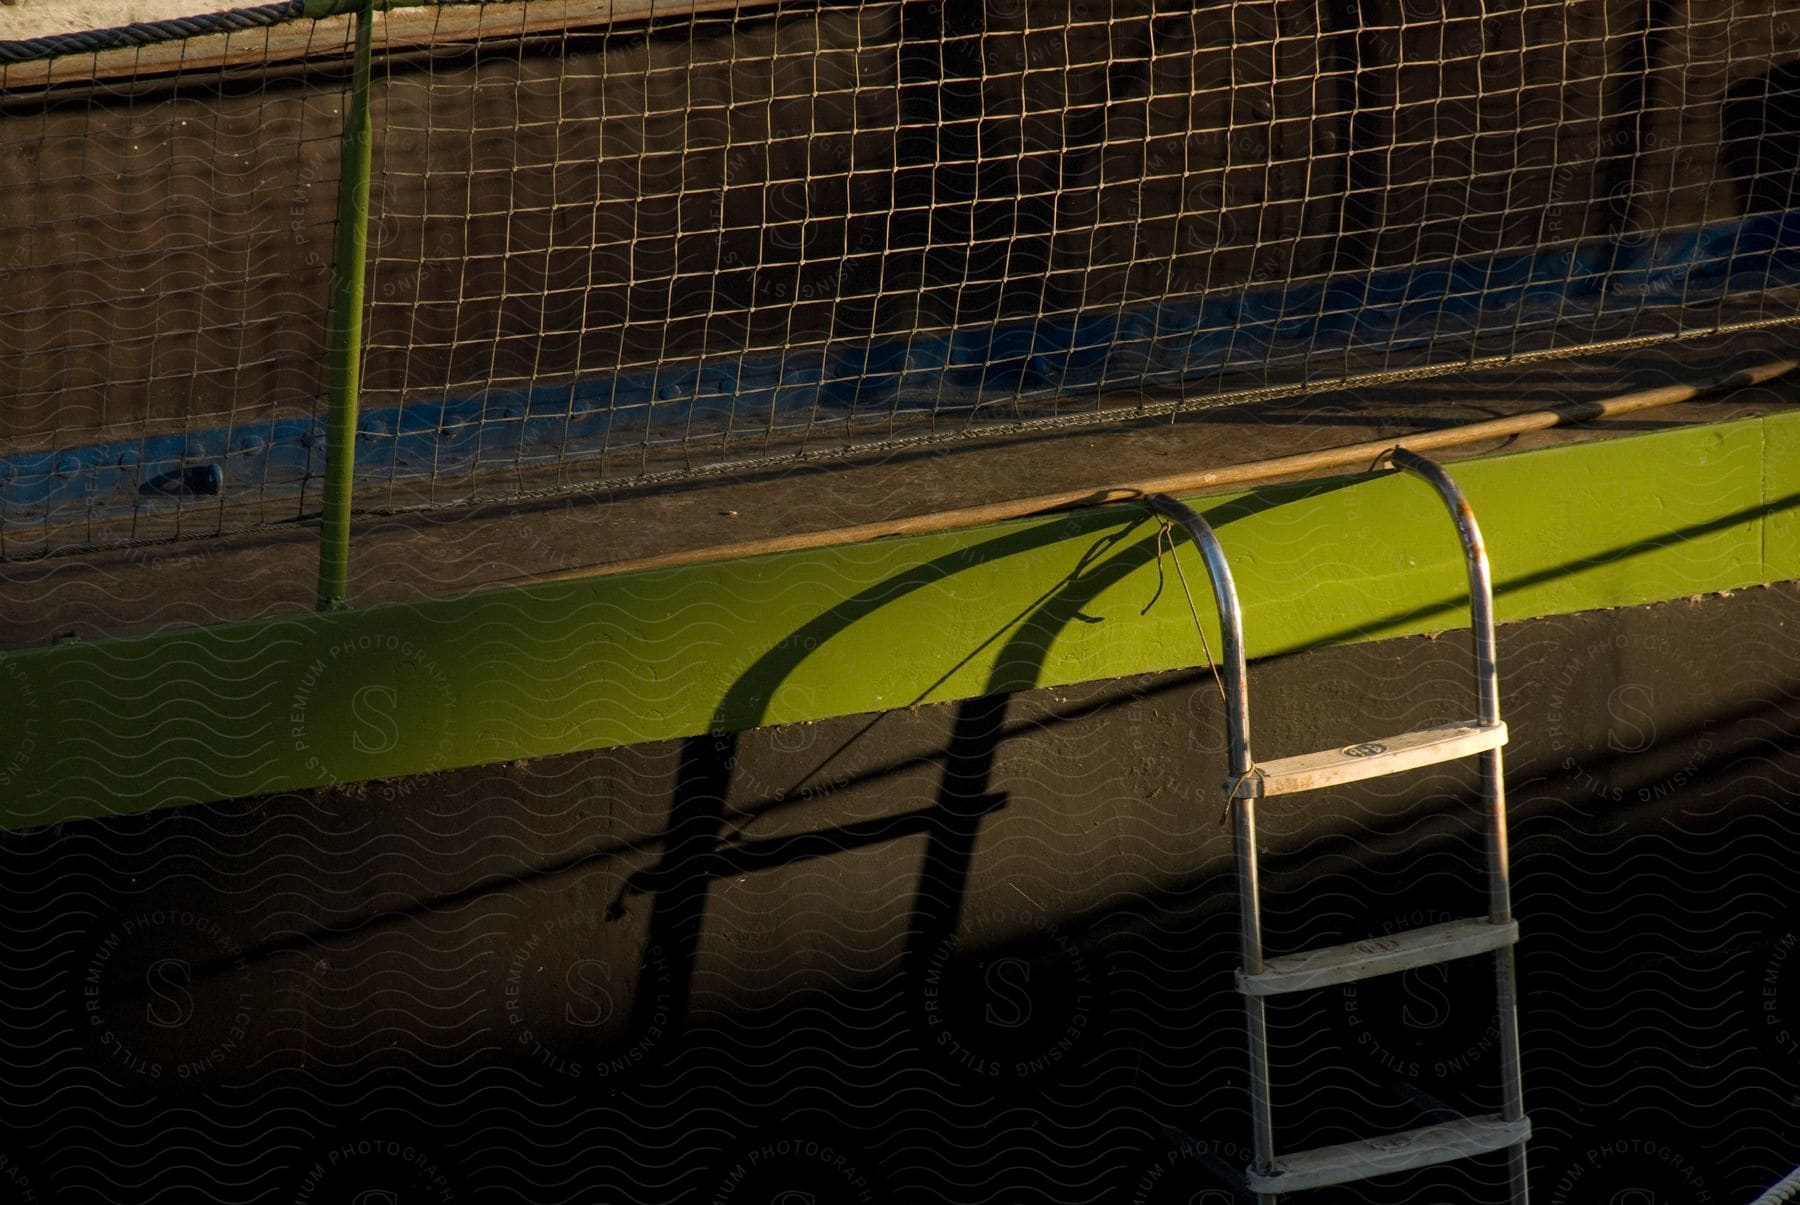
{"x": 1271, "y": 1174}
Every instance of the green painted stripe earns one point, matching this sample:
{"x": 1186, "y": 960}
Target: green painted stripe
{"x": 250, "y": 708}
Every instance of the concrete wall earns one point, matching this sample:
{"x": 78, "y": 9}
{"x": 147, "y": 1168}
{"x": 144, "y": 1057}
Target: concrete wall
{"x": 979, "y": 951}
{"x": 576, "y": 204}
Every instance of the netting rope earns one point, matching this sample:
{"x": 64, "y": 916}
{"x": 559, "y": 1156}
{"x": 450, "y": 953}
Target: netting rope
{"x": 635, "y": 244}
{"x": 150, "y": 33}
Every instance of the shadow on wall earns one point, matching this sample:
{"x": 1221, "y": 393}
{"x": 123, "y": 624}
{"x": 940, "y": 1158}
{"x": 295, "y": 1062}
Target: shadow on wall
{"x": 1761, "y": 136}
{"x": 696, "y": 852}
{"x": 1072, "y": 1061}
{"x": 958, "y": 1063}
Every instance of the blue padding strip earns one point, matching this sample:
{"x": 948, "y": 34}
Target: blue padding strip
{"x": 726, "y": 404}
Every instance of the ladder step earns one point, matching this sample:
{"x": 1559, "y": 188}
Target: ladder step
{"x": 1378, "y": 956}
{"x": 1370, "y": 759}
{"x": 1370, "y": 1157}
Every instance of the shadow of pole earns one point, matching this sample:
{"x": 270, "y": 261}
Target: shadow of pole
{"x": 691, "y": 844}
{"x": 695, "y": 851}
{"x": 965, "y": 794}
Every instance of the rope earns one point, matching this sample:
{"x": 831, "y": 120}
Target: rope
{"x": 1787, "y": 1190}
{"x": 1212, "y": 662}
{"x": 1162, "y": 533}
{"x": 149, "y": 33}
{"x": 1302, "y": 464}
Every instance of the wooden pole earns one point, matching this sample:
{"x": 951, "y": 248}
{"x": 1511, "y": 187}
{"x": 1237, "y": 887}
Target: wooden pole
{"x": 1357, "y": 455}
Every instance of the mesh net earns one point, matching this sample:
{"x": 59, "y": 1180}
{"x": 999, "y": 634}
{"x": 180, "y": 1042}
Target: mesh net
{"x": 608, "y": 246}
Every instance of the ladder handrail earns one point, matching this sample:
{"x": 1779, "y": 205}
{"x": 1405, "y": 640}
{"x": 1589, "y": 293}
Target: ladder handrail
{"x": 1481, "y": 578}
{"x": 1243, "y": 808}
{"x": 1487, "y": 674}
{"x": 1231, "y": 627}
{"x": 1233, "y": 669}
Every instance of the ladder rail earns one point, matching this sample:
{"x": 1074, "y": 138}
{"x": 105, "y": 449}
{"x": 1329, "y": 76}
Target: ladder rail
{"x": 1232, "y": 662}
{"x": 1493, "y": 779}
{"x": 1243, "y": 772}
{"x": 1243, "y": 813}
{"x": 1487, "y": 672}
{"x": 1481, "y": 577}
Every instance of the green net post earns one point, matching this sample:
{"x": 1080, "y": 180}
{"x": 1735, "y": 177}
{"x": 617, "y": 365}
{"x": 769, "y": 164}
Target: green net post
{"x": 345, "y": 348}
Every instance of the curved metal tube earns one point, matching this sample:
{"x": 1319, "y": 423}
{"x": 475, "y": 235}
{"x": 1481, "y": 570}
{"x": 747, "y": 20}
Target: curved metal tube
{"x": 1493, "y": 774}
{"x": 1231, "y": 625}
{"x": 1487, "y": 675}
{"x": 1481, "y": 583}
{"x": 1241, "y": 766}
{"x": 1237, "y": 718}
